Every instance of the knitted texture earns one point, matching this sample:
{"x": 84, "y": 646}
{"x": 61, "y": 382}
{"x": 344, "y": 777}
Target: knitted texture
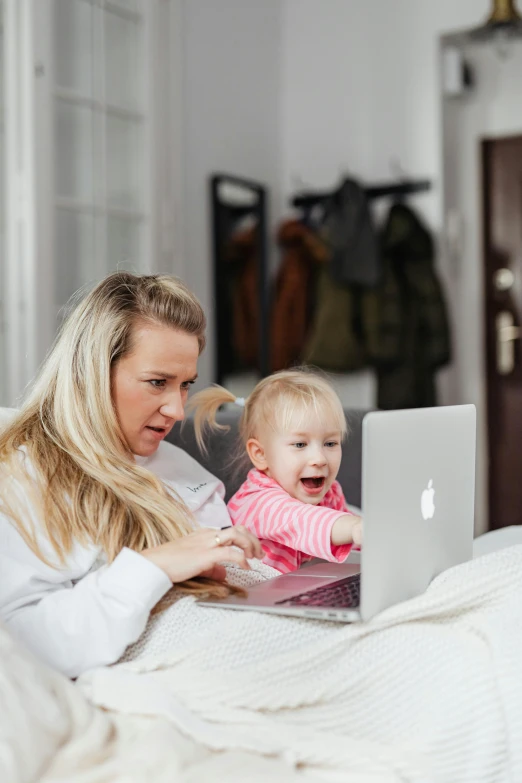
{"x": 174, "y": 625}
{"x": 429, "y": 690}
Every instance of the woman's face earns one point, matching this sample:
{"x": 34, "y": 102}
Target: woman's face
{"x": 150, "y": 384}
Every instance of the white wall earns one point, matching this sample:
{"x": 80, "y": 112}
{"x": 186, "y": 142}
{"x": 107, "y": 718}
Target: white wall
{"x": 231, "y": 118}
{"x": 361, "y": 88}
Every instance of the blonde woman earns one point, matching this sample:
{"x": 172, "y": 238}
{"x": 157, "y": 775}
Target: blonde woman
{"x": 98, "y": 515}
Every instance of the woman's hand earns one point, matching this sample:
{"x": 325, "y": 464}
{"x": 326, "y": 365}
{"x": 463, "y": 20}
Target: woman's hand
{"x": 201, "y": 552}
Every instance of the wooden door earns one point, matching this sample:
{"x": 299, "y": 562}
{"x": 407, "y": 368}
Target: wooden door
{"x": 502, "y": 169}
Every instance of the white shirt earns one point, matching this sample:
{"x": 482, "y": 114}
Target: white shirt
{"x": 84, "y": 613}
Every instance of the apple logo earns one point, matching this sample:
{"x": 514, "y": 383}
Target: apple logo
{"x": 427, "y": 504}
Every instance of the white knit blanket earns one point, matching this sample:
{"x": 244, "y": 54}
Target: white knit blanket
{"x": 430, "y": 690}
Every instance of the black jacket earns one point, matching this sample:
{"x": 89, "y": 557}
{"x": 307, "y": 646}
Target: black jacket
{"x": 408, "y": 336}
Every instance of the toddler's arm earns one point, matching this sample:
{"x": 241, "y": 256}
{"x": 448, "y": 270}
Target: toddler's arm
{"x": 273, "y": 515}
{"x": 347, "y": 530}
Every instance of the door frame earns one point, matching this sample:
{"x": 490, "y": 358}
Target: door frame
{"x": 489, "y": 311}
{"x": 28, "y": 258}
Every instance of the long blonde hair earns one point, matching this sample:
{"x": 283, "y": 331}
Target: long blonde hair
{"x": 278, "y": 402}
{"x": 81, "y": 476}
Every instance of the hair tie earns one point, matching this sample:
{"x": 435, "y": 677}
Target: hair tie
{"x": 240, "y": 401}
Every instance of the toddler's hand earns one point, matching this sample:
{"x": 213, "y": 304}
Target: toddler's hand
{"x": 357, "y": 531}
{"x": 347, "y": 530}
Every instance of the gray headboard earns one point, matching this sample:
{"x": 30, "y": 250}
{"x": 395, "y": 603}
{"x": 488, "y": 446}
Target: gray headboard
{"x": 223, "y": 446}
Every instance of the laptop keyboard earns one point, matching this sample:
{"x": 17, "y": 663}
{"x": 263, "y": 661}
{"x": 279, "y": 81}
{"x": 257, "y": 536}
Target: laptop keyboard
{"x": 343, "y": 594}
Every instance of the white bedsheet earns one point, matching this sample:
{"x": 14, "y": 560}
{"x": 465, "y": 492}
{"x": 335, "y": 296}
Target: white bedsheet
{"x": 428, "y": 691}
{"x": 49, "y": 733}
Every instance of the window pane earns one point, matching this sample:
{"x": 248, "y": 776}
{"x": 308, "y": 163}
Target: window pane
{"x": 124, "y": 65}
{"x": 124, "y": 165}
{"x": 73, "y": 30}
{"x": 75, "y": 253}
{"x": 99, "y": 150}
{"x": 124, "y": 239}
{"x": 74, "y": 151}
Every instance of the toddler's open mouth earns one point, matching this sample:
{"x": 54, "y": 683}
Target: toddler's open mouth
{"x": 313, "y": 484}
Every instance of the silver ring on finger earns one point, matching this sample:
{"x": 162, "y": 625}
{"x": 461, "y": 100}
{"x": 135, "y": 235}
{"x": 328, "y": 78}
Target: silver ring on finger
{"x": 220, "y": 539}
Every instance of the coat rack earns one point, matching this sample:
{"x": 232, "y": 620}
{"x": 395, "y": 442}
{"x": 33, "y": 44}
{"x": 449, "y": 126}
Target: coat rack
{"x": 403, "y": 187}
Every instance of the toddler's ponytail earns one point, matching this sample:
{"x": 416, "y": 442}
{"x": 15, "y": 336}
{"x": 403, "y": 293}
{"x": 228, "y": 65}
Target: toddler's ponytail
{"x": 205, "y": 405}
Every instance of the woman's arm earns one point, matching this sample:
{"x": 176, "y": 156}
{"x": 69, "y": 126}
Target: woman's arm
{"x": 77, "y": 627}
{"x": 74, "y": 628}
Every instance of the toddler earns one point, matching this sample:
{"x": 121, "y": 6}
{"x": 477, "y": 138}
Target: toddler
{"x": 291, "y": 428}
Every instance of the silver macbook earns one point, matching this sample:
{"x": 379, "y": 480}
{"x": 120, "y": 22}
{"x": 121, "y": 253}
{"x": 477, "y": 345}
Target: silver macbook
{"x": 418, "y": 488}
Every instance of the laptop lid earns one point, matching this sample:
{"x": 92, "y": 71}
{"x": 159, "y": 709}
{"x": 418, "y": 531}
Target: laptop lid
{"x": 418, "y": 490}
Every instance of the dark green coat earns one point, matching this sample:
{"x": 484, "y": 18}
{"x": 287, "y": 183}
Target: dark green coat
{"x": 400, "y": 327}
{"x": 407, "y": 330}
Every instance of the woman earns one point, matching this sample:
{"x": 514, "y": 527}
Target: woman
{"x": 98, "y": 515}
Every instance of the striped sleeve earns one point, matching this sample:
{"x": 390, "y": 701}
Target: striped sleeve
{"x": 274, "y": 516}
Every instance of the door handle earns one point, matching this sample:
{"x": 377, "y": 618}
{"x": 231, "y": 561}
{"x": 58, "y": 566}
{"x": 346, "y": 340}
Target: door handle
{"x": 506, "y": 333}
{"x": 503, "y": 279}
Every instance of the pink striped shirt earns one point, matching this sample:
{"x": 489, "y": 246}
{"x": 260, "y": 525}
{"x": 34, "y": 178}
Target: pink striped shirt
{"x": 290, "y": 531}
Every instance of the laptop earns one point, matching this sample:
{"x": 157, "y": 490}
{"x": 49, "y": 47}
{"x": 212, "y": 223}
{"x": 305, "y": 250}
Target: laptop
{"x": 418, "y": 489}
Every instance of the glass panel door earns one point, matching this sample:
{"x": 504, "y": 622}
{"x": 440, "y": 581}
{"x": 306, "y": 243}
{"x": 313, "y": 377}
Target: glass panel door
{"x": 100, "y": 140}
{"x": 86, "y": 187}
